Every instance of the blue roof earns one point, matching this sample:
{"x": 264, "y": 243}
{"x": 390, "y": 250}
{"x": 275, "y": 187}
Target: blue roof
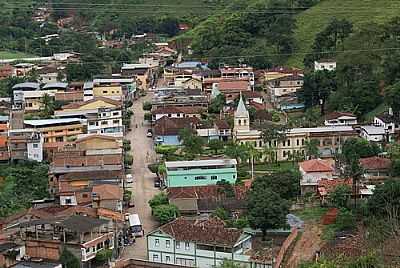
{"x": 292, "y": 106}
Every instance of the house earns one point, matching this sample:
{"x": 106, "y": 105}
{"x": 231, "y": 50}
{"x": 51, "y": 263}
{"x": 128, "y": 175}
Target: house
{"x": 200, "y": 172}
{"x": 142, "y": 72}
{"x": 206, "y": 199}
{"x": 177, "y": 112}
{"x": 179, "y": 97}
{"x": 312, "y": 171}
{"x": 57, "y": 130}
{"x": 376, "y": 169}
{"x": 340, "y": 119}
{"x": 83, "y": 235}
{"x": 107, "y": 196}
{"x": 388, "y": 122}
{"x": 33, "y": 100}
{"x": 191, "y": 83}
{"x": 223, "y": 129}
{"x": 108, "y": 91}
{"x": 6, "y": 71}
{"x": 166, "y": 130}
{"x": 23, "y": 69}
{"x": 325, "y": 64}
{"x": 282, "y": 91}
{"x": 374, "y": 133}
{"x": 232, "y": 88}
{"x": 240, "y": 72}
{"x": 203, "y": 243}
{"x": 25, "y": 144}
{"x": 82, "y": 109}
{"x": 107, "y": 121}
{"x": 10, "y": 254}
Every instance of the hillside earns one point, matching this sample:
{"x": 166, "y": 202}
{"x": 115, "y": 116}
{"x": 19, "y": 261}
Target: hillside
{"x": 313, "y": 20}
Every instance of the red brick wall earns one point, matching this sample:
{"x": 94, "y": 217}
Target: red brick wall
{"x": 288, "y": 242}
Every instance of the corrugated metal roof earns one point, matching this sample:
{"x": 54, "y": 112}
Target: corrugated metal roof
{"x": 55, "y": 85}
{"x": 32, "y": 85}
{"x": 44, "y": 122}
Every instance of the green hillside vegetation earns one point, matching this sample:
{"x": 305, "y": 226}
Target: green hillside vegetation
{"x": 315, "y": 19}
{"x": 14, "y": 55}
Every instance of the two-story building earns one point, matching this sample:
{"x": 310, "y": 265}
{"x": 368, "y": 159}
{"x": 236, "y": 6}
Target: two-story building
{"x": 283, "y": 91}
{"x": 203, "y": 243}
{"x": 312, "y": 171}
{"x": 200, "y": 172}
{"x": 177, "y": 112}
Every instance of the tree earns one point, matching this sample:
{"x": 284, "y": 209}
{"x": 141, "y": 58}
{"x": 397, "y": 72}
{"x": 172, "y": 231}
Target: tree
{"x": 221, "y": 213}
{"x": 216, "y": 145}
{"x": 340, "y": 196}
{"x": 392, "y": 97}
{"x": 395, "y": 168}
{"x": 286, "y": 183}
{"x": 165, "y": 213}
{"x": 217, "y": 104}
{"x": 193, "y": 145}
{"x": 158, "y": 200}
{"x": 69, "y": 260}
{"x": 47, "y": 105}
{"x": 359, "y": 148}
{"x": 386, "y": 199}
{"x": 266, "y": 209}
{"x": 311, "y": 149}
{"x": 229, "y": 264}
{"x": 235, "y": 150}
{"x": 273, "y": 133}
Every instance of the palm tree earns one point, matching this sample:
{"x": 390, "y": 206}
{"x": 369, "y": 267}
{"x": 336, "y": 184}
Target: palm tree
{"x": 253, "y": 155}
{"x": 48, "y": 105}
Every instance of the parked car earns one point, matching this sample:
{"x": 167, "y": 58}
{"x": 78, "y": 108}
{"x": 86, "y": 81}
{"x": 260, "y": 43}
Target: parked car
{"x": 157, "y": 183}
{"x": 149, "y": 133}
{"x": 129, "y": 178}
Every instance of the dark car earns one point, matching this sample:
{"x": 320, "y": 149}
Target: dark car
{"x": 157, "y": 183}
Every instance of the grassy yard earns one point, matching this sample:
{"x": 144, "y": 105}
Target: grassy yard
{"x": 360, "y": 12}
{"x": 4, "y": 55}
{"x": 311, "y": 214}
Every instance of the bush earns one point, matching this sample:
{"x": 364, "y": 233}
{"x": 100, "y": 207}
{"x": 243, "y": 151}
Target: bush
{"x": 345, "y": 220}
{"x": 127, "y": 195}
{"x": 69, "y": 260}
{"x": 147, "y": 106}
{"x": 158, "y": 200}
{"x": 148, "y": 116}
{"x": 221, "y": 213}
{"x": 153, "y": 167}
{"x": 127, "y": 145}
{"x": 103, "y": 256}
{"x": 165, "y": 213}
{"x": 128, "y": 159}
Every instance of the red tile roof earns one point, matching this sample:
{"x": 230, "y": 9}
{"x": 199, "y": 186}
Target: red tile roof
{"x": 108, "y": 191}
{"x": 335, "y": 115}
{"x": 214, "y": 192}
{"x": 176, "y": 110}
{"x": 172, "y": 126}
{"x": 316, "y": 165}
{"x": 326, "y": 186}
{"x": 375, "y": 163}
{"x": 233, "y": 85}
{"x": 221, "y": 124}
{"x": 210, "y": 231}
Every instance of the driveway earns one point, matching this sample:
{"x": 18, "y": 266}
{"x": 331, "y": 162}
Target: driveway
{"x": 143, "y": 186}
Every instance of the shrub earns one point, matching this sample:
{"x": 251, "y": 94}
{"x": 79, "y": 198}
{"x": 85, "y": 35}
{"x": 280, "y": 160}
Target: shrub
{"x": 158, "y": 200}
{"x": 147, "y": 106}
{"x": 165, "y": 213}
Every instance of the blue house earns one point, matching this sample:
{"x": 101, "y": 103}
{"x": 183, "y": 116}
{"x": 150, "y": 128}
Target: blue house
{"x": 200, "y": 172}
{"x": 167, "y": 129}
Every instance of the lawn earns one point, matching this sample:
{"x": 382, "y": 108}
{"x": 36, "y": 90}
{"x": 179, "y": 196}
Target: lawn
{"x": 5, "y": 55}
{"x": 311, "y": 214}
{"x": 360, "y": 12}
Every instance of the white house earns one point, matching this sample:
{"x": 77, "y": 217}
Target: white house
{"x": 107, "y": 121}
{"x": 388, "y": 121}
{"x": 373, "y": 133}
{"x": 325, "y": 64}
{"x": 195, "y": 242}
{"x": 312, "y": 171}
{"x": 340, "y": 119}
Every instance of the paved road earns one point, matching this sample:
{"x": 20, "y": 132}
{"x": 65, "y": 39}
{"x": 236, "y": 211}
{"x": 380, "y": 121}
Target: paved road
{"x": 143, "y": 186}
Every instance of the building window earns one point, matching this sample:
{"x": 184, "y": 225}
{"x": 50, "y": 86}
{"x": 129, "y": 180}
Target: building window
{"x": 115, "y": 121}
{"x": 35, "y": 155}
{"x": 104, "y": 92}
{"x": 244, "y": 122}
{"x": 155, "y": 258}
{"x": 297, "y": 142}
{"x": 84, "y": 195}
{"x": 178, "y": 245}
{"x": 68, "y": 201}
{"x": 91, "y": 123}
{"x": 302, "y": 141}
{"x": 187, "y": 246}
{"x": 214, "y": 177}
{"x": 200, "y": 178}
{"x": 157, "y": 242}
{"x": 169, "y": 115}
{"x": 239, "y": 122}
{"x": 35, "y": 145}
{"x": 167, "y": 258}
{"x": 284, "y": 143}
{"x": 167, "y": 243}
{"x": 59, "y": 139}
{"x": 288, "y": 143}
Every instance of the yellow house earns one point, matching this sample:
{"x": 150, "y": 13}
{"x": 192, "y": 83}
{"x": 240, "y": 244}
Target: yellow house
{"x": 98, "y": 142}
{"x": 33, "y": 99}
{"x": 109, "y": 91}
{"x": 81, "y": 108}
{"x": 57, "y": 130}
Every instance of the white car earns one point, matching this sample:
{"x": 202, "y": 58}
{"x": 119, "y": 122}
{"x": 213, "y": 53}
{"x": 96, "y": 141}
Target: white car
{"x": 129, "y": 178}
